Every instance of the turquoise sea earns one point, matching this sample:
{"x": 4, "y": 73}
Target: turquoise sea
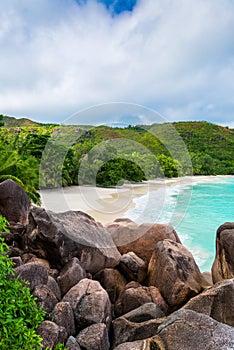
{"x": 195, "y": 210}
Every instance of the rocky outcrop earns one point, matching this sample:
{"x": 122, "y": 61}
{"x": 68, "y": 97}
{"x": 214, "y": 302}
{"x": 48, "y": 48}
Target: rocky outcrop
{"x": 71, "y": 234}
{"x": 173, "y": 270}
{"x": 140, "y": 239}
{"x": 92, "y": 295}
{"x": 186, "y": 330}
{"x": 223, "y": 266}
{"x": 14, "y": 202}
{"x": 216, "y": 302}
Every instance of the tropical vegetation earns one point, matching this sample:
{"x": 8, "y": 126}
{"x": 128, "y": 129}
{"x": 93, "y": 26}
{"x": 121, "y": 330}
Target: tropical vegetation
{"x": 49, "y": 156}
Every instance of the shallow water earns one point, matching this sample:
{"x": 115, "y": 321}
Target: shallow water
{"x": 195, "y": 210}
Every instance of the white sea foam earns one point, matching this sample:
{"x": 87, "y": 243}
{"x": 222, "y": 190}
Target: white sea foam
{"x": 195, "y": 208}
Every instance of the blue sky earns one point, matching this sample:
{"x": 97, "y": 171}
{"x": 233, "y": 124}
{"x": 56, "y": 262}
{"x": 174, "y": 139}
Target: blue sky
{"x": 62, "y": 56}
{"x": 118, "y": 6}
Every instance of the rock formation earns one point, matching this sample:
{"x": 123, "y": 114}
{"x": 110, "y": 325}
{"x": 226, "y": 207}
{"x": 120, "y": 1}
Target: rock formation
{"x": 97, "y": 299}
{"x": 173, "y": 270}
{"x": 223, "y": 266}
{"x": 14, "y": 202}
{"x": 140, "y": 239}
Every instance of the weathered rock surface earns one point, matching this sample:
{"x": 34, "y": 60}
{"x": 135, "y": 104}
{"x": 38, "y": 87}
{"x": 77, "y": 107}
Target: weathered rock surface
{"x": 52, "y": 334}
{"x": 112, "y": 281}
{"x": 63, "y": 316}
{"x": 153, "y": 343}
{"x": 14, "y": 202}
{"x": 135, "y": 295}
{"x": 90, "y": 303}
{"x": 133, "y": 267}
{"x": 140, "y": 239}
{"x": 53, "y": 285}
{"x": 63, "y": 236}
{"x": 45, "y": 298}
{"x": 127, "y": 331}
{"x": 70, "y": 275}
{"x": 173, "y": 270}
{"x": 189, "y": 330}
{"x": 136, "y": 345}
{"x": 34, "y": 273}
{"x": 72, "y": 344}
{"x": 144, "y": 313}
{"x": 208, "y": 277}
{"x": 216, "y": 302}
{"x": 94, "y": 337}
{"x": 223, "y": 266}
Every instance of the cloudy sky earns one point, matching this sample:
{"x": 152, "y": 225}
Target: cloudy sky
{"x": 61, "y": 56}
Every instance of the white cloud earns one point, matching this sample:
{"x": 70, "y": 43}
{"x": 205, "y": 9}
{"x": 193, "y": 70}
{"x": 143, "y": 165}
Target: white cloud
{"x": 175, "y": 56}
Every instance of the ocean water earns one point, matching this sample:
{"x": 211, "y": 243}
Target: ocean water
{"x": 195, "y": 210}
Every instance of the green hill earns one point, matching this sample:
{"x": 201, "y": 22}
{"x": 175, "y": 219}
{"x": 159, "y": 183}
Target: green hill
{"x": 109, "y": 155}
{"x": 14, "y": 122}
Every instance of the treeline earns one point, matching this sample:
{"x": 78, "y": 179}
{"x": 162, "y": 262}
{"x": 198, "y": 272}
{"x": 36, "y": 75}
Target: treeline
{"x": 51, "y": 156}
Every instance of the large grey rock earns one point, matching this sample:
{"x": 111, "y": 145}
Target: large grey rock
{"x": 189, "y": 330}
{"x": 94, "y": 337}
{"x": 63, "y": 316}
{"x": 216, "y": 302}
{"x": 174, "y": 271}
{"x": 223, "y": 266}
{"x": 63, "y": 236}
{"x": 34, "y": 273}
{"x": 70, "y": 275}
{"x": 140, "y": 239}
{"x": 14, "y": 202}
{"x": 51, "y": 334}
{"x": 133, "y": 267}
{"x": 90, "y": 303}
{"x": 112, "y": 281}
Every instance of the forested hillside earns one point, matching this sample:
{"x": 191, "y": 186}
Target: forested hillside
{"x": 67, "y": 155}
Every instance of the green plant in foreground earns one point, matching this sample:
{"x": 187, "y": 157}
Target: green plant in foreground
{"x": 19, "y": 313}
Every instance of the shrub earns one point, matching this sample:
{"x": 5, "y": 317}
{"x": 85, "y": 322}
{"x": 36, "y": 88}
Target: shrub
{"x": 19, "y": 313}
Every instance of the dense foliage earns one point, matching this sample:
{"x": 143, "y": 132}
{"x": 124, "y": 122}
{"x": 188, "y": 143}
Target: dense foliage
{"x": 19, "y": 314}
{"x": 52, "y": 156}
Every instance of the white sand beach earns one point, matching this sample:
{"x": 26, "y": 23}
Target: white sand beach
{"x": 107, "y": 204}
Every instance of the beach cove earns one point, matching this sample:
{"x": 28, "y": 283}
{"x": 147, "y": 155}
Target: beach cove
{"x": 178, "y": 201}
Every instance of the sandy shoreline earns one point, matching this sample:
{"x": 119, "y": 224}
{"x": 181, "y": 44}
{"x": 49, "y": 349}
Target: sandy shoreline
{"x": 108, "y": 204}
